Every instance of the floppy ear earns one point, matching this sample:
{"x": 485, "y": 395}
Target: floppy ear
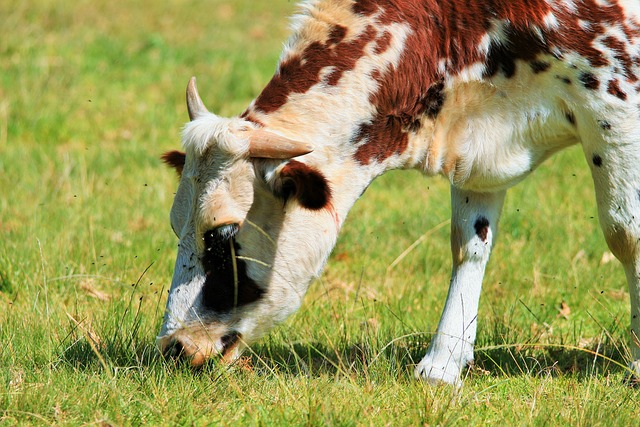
{"x": 175, "y": 159}
{"x": 305, "y": 184}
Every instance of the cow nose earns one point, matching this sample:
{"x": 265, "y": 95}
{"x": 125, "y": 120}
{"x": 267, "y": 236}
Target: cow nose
{"x": 183, "y": 348}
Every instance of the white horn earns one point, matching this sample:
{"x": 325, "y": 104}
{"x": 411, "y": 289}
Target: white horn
{"x": 268, "y": 145}
{"x": 195, "y": 106}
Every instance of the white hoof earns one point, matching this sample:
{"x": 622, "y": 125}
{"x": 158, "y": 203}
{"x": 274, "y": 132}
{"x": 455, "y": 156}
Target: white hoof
{"x": 438, "y": 373}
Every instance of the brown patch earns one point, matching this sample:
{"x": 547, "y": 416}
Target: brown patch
{"x": 573, "y": 37}
{"x": 305, "y": 184}
{"x": 298, "y": 73}
{"x": 620, "y": 50}
{"x": 382, "y": 138}
{"x": 365, "y": 7}
{"x": 613, "y": 88}
{"x": 336, "y": 35}
{"x": 383, "y": 43}
{"x": 446, "y": 33}
{"x": 175, "y": 159}
{"x": 481, "y": 227}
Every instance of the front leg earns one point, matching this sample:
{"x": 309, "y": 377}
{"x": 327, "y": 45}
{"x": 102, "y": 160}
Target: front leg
{"x": 474, "y": 226}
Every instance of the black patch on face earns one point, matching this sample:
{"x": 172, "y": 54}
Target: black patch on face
{"x": 539, "y": 66}
{"x": 589, "y": 81}
{"x": 604, "y": 124}
{"x": 220, "y": 293}
{"x": 597, "y": 160}
{"x": 482, "y": 228}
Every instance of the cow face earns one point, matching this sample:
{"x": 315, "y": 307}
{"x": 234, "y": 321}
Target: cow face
{"x": 254, "y": 227}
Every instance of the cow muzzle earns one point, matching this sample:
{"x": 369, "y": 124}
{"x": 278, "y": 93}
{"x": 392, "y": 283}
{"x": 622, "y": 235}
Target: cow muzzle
{"x": 196, "y": 347}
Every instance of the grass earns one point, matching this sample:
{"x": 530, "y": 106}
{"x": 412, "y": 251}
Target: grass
{"x": 91, "y": 93}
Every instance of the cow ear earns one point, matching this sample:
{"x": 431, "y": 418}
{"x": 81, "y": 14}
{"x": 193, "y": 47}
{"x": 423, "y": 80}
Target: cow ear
{"x": 305, "y": 184}
{"x": 175, "y": 159}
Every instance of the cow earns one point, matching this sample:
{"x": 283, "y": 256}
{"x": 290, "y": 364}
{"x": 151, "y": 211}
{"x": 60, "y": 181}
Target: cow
{"x": 480, "y": 92}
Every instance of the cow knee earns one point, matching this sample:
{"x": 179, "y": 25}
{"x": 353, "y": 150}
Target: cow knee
{"x": 471, "y": 243}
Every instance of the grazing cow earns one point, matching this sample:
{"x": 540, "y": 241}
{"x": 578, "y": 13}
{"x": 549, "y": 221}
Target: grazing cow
{"x": 478, "y": 91}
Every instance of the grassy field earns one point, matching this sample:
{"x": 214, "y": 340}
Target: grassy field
{"x": 92, "y": 92}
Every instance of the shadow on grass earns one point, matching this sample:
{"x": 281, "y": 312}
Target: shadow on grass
{"x": 362, "y": 359}
{"x": 126, "y": 344}
{"x": 605, "y": 357}
{"x": 550, "y": 359}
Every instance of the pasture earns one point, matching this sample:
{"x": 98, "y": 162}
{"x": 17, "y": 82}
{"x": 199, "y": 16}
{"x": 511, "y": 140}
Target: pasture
{"x": 92, "y": 93}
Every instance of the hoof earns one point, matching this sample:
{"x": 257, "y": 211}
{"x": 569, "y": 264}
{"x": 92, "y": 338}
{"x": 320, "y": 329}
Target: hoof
{"x": 438, "y": 374}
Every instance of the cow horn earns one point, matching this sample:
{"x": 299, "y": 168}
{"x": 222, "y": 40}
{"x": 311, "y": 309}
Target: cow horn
{"x": 267, "y": 145}
{"x": 195, "y": 106}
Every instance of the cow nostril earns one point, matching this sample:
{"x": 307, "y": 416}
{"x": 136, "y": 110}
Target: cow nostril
{"x": 174, "y": 349}
{"x": 229, "y": 340}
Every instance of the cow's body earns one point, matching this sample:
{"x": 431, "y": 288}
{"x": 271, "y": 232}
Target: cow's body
{"x": 480, "y": 92}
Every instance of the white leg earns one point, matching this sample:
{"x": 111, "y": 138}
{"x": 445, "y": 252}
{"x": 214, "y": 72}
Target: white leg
{"x": 615, "y": 167}
{"x": 474, "y": 226}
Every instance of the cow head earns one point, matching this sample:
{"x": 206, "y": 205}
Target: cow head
{"x": 254, "y": 227}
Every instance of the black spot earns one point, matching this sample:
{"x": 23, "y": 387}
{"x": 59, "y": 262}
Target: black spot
{"x": 571, "y": 118}
{"x": 219, "y": 292}
{"x": 433, "y": 101}
{"x": 597, "y": 160}
{"x": 539, "y": 66}
{"x": 482, "y": 228}
{"x": 589, "y": 81}
{"x": 563, "y": 79}
{"x": 604, "y": 124}
{"x": 520, "y": 44}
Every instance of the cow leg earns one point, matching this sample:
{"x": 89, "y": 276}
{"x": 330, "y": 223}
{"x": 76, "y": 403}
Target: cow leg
{"x": 615, "y": 167}
{"x": 474, "y": 226}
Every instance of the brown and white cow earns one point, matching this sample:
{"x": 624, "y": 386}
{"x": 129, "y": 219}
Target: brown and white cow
{"x": 478, "y": 91}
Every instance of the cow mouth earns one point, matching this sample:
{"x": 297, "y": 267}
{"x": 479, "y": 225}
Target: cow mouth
{"x": 227, "y": 285}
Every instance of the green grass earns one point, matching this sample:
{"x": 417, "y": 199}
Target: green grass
{"x": 92, "y": 92}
